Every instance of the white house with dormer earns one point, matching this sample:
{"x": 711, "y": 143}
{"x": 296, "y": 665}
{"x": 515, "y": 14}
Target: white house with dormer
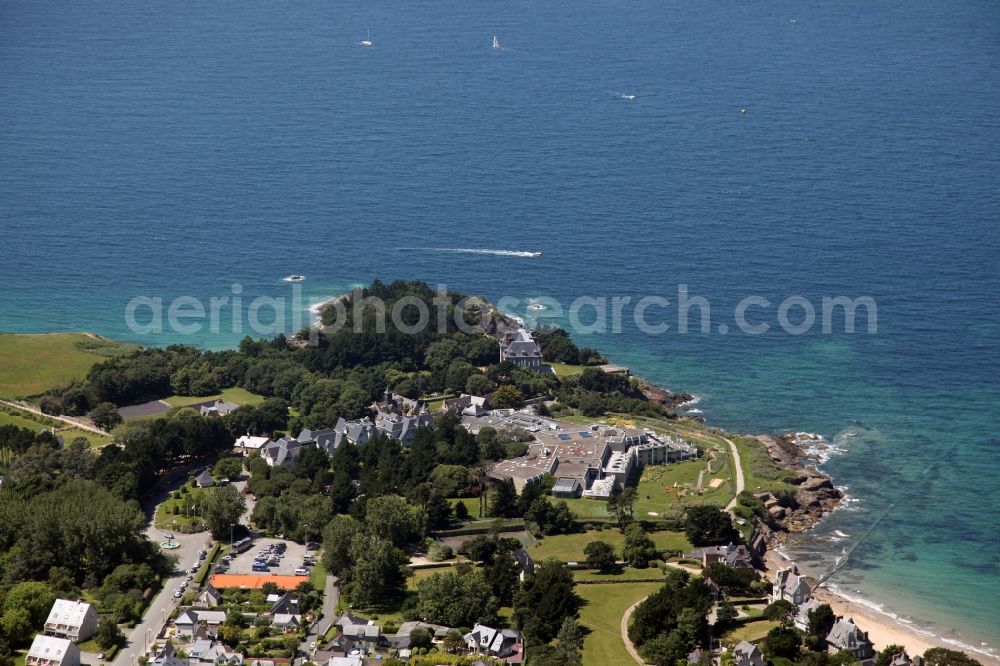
{"x": 52, "y": 651}
{"x": 73, "y": 620}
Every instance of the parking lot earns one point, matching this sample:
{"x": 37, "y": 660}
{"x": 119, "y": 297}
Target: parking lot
{"x": 287, "y": 562}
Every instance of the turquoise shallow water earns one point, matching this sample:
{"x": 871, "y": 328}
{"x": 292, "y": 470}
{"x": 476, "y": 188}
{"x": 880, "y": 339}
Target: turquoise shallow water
{"x": 178, "y": 149}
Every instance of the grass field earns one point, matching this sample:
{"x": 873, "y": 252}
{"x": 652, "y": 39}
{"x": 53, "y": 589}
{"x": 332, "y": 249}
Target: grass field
{"x": 569, "y": 547}
{"x": 759, "y": 471}
{"x": 658, "y": 494}
{"x": 35, "y": 423}
{"x": 604, "y": 606}
{"x": 565, "y": 369}
{"x": 7, "y": 418}
{"x": 318, "y": 577}
{"x": 625, "y": 575}
{"x": 165, "y": 518}
{"x": 237, "y": 396}
{"x": 751, "y": 631}
{"x": 33, "y": 364}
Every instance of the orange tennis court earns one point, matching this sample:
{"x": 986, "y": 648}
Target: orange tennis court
{"x": 256, "y": 581}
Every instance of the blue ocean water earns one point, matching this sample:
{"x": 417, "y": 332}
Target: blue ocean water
{"x": 170, "y": 149}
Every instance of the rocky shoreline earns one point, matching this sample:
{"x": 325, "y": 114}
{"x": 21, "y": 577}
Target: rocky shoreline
{"x": 814, "y": 496}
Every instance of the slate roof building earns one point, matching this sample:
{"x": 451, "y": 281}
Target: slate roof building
{"x": 520, "y": 348}
{"x": 802, "y": 616}
{"x": 281, "y": 453}
{"x": 208, "y": 598}
{"x": 325, "y": 439}
{"x": 748, "y": 654}
{"x": 168, "y": 657}
{"x": 218, "y": 408}
{"x": 357, "y": 432}
{"x": 791, "y": 586}
{"x": 847, "y": 637}
{"x": 204, "y": 480}
{"x": 738, "y": 557}
{"x": 495, "y": 642}
{"x": 403, "y": 428}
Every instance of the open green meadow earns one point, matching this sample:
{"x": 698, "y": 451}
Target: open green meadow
{"x": 9, "y": 416}
{"x": 36, "y": 423}
{"x": 566, "y": 369}
{"x": 751, "y": 631}
{"x": 235, "y": 395}
{"x": 623, "y": 575}
{"x": 33, "y": 364}
{"x": 569, "y": 547}
{"x": 604, "y": 606}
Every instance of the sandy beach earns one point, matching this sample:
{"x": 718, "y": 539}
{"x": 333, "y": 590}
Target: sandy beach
{"x": 882, "y": 629}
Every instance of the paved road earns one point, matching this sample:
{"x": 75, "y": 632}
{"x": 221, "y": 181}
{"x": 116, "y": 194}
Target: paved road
{"x": 624, "y": 629}
{"x": 739, "y": 473}
{"x": 187, "y": 556}
{"x": 76, "y": 423}
{"x": 331, "y": 597}
{"x": 164, "y": 603}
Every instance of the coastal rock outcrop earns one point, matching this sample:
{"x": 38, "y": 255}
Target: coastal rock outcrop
{"x": 662, "y": 396}
{"x": 814, "y": 496}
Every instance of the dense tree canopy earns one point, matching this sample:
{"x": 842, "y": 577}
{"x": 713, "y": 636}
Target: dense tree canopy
{"x": 544, "y": 601}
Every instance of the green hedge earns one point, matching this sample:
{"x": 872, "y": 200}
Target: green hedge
{"x": 199, "y": 580}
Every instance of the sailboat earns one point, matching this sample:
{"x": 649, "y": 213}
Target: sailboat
{"x": 368, "y": 41}
{"x": 496, "y": 42}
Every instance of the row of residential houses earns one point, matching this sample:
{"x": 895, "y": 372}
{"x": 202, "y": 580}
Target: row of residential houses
{"x": 360, "y": 637}
{"x": 845, "y": 636}
{"x": 396, "y": 417}
{"x": 68, "y": 623}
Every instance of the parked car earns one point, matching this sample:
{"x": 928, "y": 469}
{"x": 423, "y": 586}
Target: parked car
{"x": 302, "y": 571}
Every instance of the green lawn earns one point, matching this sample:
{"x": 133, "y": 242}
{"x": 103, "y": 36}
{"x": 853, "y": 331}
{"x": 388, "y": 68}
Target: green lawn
{"x": 33, "y": 364}
{"x": 90, "y": 646}
{"x": 760, "y": 473}
{"x": 566, "y": 369}
{"x": 624, "y": 575}
{"x": 235, "y": 395}
{"x": 569, "y": 547}
{"x": 318, "y": 576}
{"x": 15, "y": 419}
{"x": 658, "y": 493}
{"x": 165, "y": 518}
{"x": 35, "y": 423}
{"x": 751, "y": 631}
{"x": 583, "y": 507}
{"x": 604, "y": 606}
{"x": 70, "y": 433}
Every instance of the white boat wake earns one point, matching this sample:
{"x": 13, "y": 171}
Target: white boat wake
{"x": 475, "y": 250}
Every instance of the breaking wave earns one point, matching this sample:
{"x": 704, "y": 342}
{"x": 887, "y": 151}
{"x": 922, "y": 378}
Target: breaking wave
{"x": 476, "y": 250}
